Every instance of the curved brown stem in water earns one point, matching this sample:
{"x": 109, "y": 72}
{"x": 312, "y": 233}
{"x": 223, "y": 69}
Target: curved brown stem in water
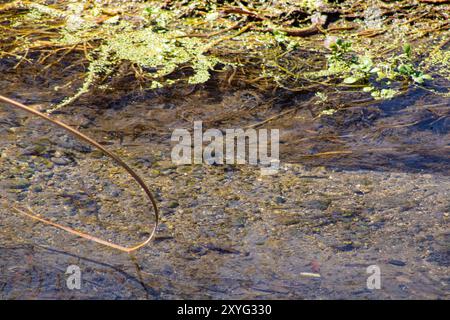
{"x": 95, "y": 144}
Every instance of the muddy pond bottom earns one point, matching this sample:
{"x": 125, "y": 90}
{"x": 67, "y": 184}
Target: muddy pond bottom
{"x": 234, "y": 234}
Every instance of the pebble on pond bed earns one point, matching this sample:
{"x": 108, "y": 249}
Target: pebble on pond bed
{"x": 61, "y": 161}
{"x": 397, "y": 263}
{"x": 19, "y": 184}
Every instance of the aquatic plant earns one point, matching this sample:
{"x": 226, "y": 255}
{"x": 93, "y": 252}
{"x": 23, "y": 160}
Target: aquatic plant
{"x": 263, "y": 44}
{"x": 376, "y": 77}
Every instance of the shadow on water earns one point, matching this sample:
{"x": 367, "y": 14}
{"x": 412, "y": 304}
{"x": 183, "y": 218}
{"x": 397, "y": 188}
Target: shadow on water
{"x": 410, "y": 133}
{"x": 47, "y": 278}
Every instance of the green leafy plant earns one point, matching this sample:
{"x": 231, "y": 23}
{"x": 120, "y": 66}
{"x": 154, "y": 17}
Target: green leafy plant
{"x": 158, "y": 54}
{"x": 377, "y": 77}
{"x": 407, "y": 69}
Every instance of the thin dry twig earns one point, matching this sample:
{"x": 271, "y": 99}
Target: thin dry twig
{"x": 271, "y": 118}
{"x": 95, "y": 144}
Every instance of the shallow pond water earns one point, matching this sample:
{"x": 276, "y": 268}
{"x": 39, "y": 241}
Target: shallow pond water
{"x": 366, "y": 186}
